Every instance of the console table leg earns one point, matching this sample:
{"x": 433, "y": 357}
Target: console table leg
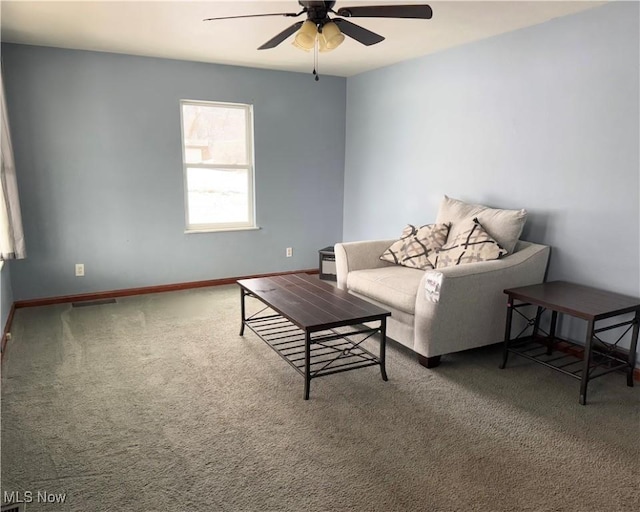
{"x": 242, "y": 312}
{"x": 632, "y": 349}
{"x": 586, "y": 364}
{"x": 507, "y": 334}
{"x": 307, "y": 365}
{"x": 536, "y": 321}
{"x": 383, "y": 344}
{"x": 552, "y": 332}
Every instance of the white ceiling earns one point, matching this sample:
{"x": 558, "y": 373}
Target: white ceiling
{"x": 175, "y": 29}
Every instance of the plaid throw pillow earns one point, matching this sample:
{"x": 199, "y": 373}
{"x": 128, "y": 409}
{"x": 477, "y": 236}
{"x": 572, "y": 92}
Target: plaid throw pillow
{"x": 471, "y": 245}
{"x": 416, "y": 244}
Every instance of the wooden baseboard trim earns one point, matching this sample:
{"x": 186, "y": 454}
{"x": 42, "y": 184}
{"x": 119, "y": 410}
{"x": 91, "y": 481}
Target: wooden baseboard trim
{"x": 7, "y": 330}
{"x": 569, "y": 348}
{"x": 127, "y": 292}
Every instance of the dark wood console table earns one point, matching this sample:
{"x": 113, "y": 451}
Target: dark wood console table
{"x": 590, "y": 304}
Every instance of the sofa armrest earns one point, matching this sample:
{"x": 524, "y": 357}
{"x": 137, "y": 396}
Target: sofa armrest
{"x": 352, "y": 256}
{"x": 470, "y": 308}
{"x": 519, "y": 261}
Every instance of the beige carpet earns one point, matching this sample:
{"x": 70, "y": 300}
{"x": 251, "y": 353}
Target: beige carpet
{"x": 155, "y": 403}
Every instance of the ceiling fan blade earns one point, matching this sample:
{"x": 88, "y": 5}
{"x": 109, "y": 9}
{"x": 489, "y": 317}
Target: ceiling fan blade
{"x": 362, "y": 35}
{"x": 287, "y": 14}
{"x": 387, "y": 11}
{"x": 275, "y": 41}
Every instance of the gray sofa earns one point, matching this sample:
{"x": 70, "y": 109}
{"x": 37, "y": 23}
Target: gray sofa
{"x": 436, "y": 312}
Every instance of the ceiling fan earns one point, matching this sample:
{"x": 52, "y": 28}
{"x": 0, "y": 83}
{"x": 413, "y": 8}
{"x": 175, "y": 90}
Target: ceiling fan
{"x": 329, "y": 32}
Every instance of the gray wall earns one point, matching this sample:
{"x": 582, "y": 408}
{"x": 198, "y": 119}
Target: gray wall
{"x": 6, "y": 295}
{"x": 97, "y": 146}
{"x": 545, "y": 118}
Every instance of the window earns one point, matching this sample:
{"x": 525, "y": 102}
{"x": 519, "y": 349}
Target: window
{"x": 217, "y": 159}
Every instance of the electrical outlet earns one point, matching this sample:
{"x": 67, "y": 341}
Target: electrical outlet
{"x": 79, "y": 269}
{"x": 289, "y": 252}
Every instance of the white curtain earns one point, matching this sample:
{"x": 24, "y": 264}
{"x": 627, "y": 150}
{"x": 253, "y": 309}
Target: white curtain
{"x": 11, "y": 234}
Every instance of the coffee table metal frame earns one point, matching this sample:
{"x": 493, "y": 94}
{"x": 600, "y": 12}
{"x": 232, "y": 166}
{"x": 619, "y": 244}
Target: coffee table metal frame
{"x": 315, "y": 350}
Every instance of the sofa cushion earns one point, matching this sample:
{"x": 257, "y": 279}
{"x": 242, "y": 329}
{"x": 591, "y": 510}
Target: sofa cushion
{"x": 471, "y": 245}
{"x": 396, "y": 286}
{"x": 416, "y": 244}
{"x": 504, "y": 226}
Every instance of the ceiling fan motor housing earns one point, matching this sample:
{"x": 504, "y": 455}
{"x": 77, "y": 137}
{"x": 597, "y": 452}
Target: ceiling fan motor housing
{"x": 317, "y": 12}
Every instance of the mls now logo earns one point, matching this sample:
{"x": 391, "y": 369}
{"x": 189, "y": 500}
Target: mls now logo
{"x": 16, "y": 498}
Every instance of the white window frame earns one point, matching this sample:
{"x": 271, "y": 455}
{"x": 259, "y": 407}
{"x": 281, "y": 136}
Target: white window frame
{"x": 250, "y": 168}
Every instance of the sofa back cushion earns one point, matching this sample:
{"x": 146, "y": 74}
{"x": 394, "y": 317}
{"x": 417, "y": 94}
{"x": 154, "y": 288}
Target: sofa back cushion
{"x": 505, "y": 226}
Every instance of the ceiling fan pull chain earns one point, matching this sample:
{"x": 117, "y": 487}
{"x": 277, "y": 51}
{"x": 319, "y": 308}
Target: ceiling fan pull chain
{"x": 315, "y": 60}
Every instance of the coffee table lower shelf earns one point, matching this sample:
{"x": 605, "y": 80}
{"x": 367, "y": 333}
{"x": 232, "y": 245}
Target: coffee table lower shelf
{"x": 331, "y": 351}
{"x": 328, "y": 351}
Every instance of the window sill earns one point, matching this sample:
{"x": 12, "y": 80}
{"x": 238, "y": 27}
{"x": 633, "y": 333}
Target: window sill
{"x": 213, "y": 230}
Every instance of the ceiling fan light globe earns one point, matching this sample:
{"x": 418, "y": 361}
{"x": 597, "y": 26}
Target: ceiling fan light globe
{"x": 322, "y": 44}
{"x": 334, "y": 42}
{"x": 324, "y": 47}
{"x": 304, "y": 49}
{"x": 332, "y": 36}
{"x": 306, "y": 37}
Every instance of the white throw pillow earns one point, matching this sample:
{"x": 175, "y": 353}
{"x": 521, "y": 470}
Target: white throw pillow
{"x": 416, "y": 244}
{"x": 473, "y": 244}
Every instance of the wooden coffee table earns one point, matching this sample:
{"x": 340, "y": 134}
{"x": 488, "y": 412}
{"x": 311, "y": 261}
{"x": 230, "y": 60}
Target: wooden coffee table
{"x": 317, "y": 328}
